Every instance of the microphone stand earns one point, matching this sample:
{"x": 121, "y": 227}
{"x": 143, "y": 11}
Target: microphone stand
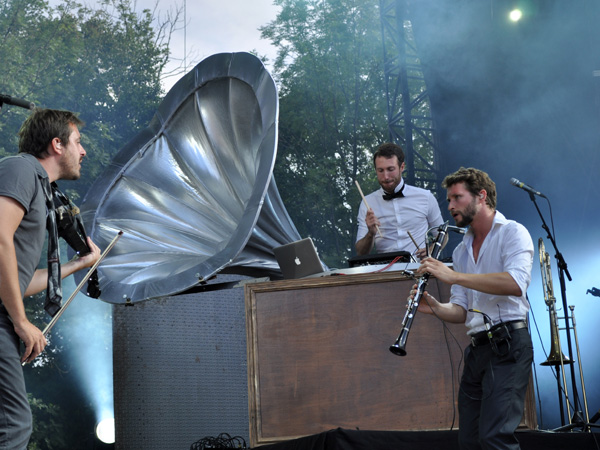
{"x": 577, "y": 421}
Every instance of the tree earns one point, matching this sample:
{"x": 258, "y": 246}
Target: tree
{"x": 332, "y": 114}
{"x": 105, "y": 64}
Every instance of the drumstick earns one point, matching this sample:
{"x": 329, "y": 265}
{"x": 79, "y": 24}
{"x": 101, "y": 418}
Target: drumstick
{"x": 412, "y": 239}
{"x": 416, "y": 245}
{"x": 366, "y": 204}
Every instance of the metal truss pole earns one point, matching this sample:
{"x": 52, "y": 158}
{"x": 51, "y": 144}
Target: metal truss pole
{"x": 410, "y": 122}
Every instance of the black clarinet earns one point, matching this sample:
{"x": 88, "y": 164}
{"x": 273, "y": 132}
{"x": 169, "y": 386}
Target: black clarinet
{"x": 399, "y": 347}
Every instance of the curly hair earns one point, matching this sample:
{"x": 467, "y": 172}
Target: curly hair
{"x": 389, "y": 150}
{"x": 475, "y": 180}
{"x": 42, "y": 126}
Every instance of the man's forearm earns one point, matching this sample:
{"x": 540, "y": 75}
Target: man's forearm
{"x": 11, "y": 214}
{"x": 39, "y": 282}
{"x": 10, "y": 292}
{"x": 448, "y": 312}
{"x": 501, "y": 283}
{"x": 498, "y": 283}
{"x": 365, "y": 245}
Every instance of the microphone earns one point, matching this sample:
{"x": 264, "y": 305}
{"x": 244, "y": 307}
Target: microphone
{"x": 594, "y": 291}
{"x": 457, "y": 229}
{"x": 452, "y": 228}
{"x": 15, "y": 102}
{"x": 523, "y": 186}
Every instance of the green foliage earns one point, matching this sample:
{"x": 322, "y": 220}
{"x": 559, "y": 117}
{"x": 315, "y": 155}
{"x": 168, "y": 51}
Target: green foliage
{"x": 103, "y": 64}
{"x": 62, "y": 416}
{"x": 106, "y": 65}
{"x": 332, "y": 114}
{"x": 48, "y": 429}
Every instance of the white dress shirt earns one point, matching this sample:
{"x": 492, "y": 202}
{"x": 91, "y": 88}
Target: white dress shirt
{"x": 416, "y": 212}
{"x": 507, "y": 248}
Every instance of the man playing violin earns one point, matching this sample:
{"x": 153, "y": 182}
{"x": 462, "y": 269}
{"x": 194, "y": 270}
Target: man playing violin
{"x": 49, "y": 149}
{"x": 492, "y": 271}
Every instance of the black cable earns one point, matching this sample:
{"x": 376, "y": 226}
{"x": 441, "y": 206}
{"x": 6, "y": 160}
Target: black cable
{"x": 222, "y": 441}
{"x": 460, "y": 349}
{"x": 447, "y": 330}
{"x": 535, "y": 377}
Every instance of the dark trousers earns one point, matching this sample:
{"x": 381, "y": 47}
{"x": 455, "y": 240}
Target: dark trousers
{"x": 15, "y": 414}
{"x": 492, "y": 393}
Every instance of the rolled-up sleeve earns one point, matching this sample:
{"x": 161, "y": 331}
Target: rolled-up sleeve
{"x": 517, "y": 254}
{"x": 362, "y": 225}
{"x": 507, "y": 248}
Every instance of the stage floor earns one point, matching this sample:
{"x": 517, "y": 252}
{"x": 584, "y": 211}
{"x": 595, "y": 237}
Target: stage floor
{"x": 341, "y": 439}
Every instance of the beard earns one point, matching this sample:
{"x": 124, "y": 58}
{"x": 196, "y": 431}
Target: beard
{"x": 390, "y": 186}
{"x": 467, "y": 215}
{"x": 70, "y": 169}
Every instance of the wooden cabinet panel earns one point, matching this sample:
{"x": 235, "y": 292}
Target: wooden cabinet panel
{"x": 318, "y": 358}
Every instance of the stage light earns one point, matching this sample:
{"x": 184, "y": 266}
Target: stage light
{"x": 515, "y": 15}
{"x": 93, "y": 362}
{"x": 105, "y": 431}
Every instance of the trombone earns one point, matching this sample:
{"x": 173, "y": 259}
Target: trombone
{"x": 556, "y": 357}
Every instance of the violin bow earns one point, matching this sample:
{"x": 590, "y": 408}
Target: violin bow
{"x": 81, "y": 283}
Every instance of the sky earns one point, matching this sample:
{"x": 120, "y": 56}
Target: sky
{"x": 214, "y": 27}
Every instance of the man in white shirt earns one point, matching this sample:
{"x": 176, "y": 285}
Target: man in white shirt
{"x": 398, "y": 212}
{"x": 492, "y": 271}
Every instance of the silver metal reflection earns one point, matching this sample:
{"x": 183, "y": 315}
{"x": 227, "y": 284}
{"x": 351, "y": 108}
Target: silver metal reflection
{"x": 193, "y": 192}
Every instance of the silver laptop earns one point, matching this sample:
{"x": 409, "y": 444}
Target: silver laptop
{"x": 298, "y": 259}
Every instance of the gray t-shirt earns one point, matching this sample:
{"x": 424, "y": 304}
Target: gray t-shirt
{"x": 19, "y": 179}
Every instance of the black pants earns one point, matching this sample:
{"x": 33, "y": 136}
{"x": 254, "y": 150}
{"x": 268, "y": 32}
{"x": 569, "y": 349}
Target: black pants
{"x": 492, "y": 393}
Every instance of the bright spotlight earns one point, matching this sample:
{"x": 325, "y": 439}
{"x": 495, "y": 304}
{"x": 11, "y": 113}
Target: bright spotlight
{"x": 515, "y": 15}
{"x": 105, "y": 430}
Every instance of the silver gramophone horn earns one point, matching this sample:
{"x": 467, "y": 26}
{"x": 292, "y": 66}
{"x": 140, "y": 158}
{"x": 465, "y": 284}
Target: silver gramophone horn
{"x": 193, "y": 192}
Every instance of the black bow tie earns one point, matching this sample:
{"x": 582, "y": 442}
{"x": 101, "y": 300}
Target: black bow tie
{"x": 387, "y": 196}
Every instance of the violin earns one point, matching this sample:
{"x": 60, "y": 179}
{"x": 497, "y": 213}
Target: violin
{"x": 71, "y": 229}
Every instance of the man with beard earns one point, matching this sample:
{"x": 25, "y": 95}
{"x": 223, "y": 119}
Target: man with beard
{"x": 398, "y": 212}
{"x": 492, "y": 270}
{"x": 49, "y": 149}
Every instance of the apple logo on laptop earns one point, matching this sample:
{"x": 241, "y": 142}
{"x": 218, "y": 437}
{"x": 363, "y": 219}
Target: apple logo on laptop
{"x": 297, "y": 261}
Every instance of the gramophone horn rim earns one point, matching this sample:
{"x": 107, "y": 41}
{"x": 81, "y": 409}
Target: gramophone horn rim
{"x": 240, "y": 66}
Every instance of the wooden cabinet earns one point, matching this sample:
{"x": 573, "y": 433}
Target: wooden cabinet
{"x": 318, "y": 358}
